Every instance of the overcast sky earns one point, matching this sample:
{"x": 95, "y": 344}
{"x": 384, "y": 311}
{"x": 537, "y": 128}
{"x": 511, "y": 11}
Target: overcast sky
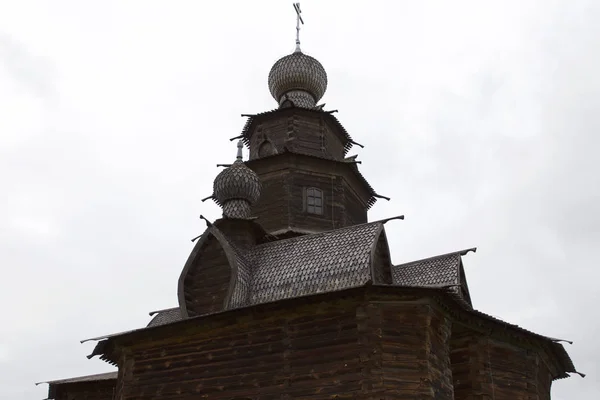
{"x": 480, "y": 119}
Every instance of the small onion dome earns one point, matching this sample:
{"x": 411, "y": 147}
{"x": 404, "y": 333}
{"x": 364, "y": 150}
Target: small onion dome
{"x": 237, "y": 185}
{"x": 237, "y": 182}
{"x": 299, "y": 77}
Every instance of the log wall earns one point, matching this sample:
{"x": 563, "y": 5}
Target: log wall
{"x": 310, "y": 354}
{"x": 282, "y": 202}
{"x": 345, "y": 350}
{"x": 272, "y": 206}
{"x": 99, "y": 390}
{"x": 305, "y": 133}
{"x": 415, "y": 352}
{"x": 485, "y": 368}
{"x": 333, "y": 206}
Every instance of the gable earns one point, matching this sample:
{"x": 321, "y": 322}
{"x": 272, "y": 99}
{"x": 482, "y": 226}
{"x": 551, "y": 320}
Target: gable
{"x": 207, "y": 279}
{"x": 220, "y": 276}
{"x": 440, "y": 271}
{"x": 381, "y": 259}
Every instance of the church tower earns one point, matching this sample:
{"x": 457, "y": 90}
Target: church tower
{"x": 292, "y": 294}
{"x": 299, "y": 151}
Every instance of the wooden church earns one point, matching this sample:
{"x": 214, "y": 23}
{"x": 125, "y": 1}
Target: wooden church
{"x": 292, "y": 293}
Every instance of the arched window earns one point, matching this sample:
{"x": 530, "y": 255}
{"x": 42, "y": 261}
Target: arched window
{"x": 314, "y": 201}
{"x": 266, "y": 149}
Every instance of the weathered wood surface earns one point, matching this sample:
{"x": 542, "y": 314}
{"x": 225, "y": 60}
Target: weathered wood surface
{"x": 355, "y": 209}
{"x": 272, "y": 206}
{"x": 302, "y": 132}
{"x": 348, "y": 347}
{"x": 349, "y": 350}
{"x": 484, "y": 368}
{"x": 207, "y": 281}
{"x": 382, "y": 262}
{"x": 415, "y": 352}
{"x": 333, "y": 207}
{"x": 99, "y": 390}
{"x": 282, "y": 203}
{"x": 301, "y": 355}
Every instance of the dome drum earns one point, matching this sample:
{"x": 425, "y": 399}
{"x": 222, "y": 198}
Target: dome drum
{"x": 299, "y": 98}
{"x": 237, "y": 208}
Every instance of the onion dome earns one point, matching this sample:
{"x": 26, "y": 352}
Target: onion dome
{"x": 236, "y": 188}
{"x": 299, "y": 78}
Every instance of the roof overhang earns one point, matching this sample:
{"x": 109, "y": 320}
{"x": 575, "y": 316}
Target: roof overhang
{"x": 442, "y": 296}
{"x": 96, "y": 378}
{"x": 348, "y": 167}
{"x": 255, "y": 119}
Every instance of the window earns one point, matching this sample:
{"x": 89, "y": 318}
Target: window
{"x": 265, "y": 149}
{"x": 314, "y": 201}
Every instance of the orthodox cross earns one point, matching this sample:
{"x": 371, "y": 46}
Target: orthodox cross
{"x": 298, "y": 20}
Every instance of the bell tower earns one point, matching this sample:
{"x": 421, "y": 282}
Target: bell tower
{"x": 299, "y": 152}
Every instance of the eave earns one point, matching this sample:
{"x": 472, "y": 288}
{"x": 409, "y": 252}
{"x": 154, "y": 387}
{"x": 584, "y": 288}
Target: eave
{"x": 255, "y": 119}
{"x": 108, "y": 346}
{"x": 351, "y": 166}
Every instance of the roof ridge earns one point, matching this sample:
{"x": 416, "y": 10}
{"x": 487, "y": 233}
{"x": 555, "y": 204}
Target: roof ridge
{"x": 352, "y": 166}
{"x": 312, "y": 235}
{"x": 459, "y": 252}
{"x": 151, "y": 313}
{"x": 104, "y": 375}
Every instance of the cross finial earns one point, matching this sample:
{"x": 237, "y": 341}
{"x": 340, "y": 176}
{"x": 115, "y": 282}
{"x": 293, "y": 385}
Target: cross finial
{"x": 298, "y": 21}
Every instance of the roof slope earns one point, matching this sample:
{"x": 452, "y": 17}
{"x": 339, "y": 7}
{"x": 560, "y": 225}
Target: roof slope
{"x": 294, "y": 267}
{"x": 88, "y": 378}
{"x": 438, "y": 271}
{"x": 442, "y": 270}
{"x": 163, "y": 317}
{"x": 312, "y": 264}
{"x": 255, "y": 119}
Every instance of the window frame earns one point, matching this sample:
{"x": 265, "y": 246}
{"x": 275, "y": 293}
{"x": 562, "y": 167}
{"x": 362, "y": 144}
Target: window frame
{"x": 314, "y": 201}
{"x": 260, "y": 151}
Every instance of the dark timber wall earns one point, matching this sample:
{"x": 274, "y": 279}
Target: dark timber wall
{"x": 299, "y": 131}
{"x": 307, "y": 353}
{"x": 487, "y": 369}
{"x": 272, "y": 206}
{"x": 100, "y": 390}
{"x": 381, "y": 261}
{"x": 357, "y": 344}
{"x": 415, "y": 352}
{"x": 344, "y": 349}
{"x": 282, "y": 202}
{"x": 333, "y": 207}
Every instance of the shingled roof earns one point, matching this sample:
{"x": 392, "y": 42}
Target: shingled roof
{"x": 254, "y": 119}
{"x": 87, "y": 378}
{"x": 438, "y": 271}
{"x": 166, "y": 316}
{"x": 335, "y": 261}
{"x": 53, "y": 385}
{"x": 312, "y": 264}
{"x": 294, "y": 267}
